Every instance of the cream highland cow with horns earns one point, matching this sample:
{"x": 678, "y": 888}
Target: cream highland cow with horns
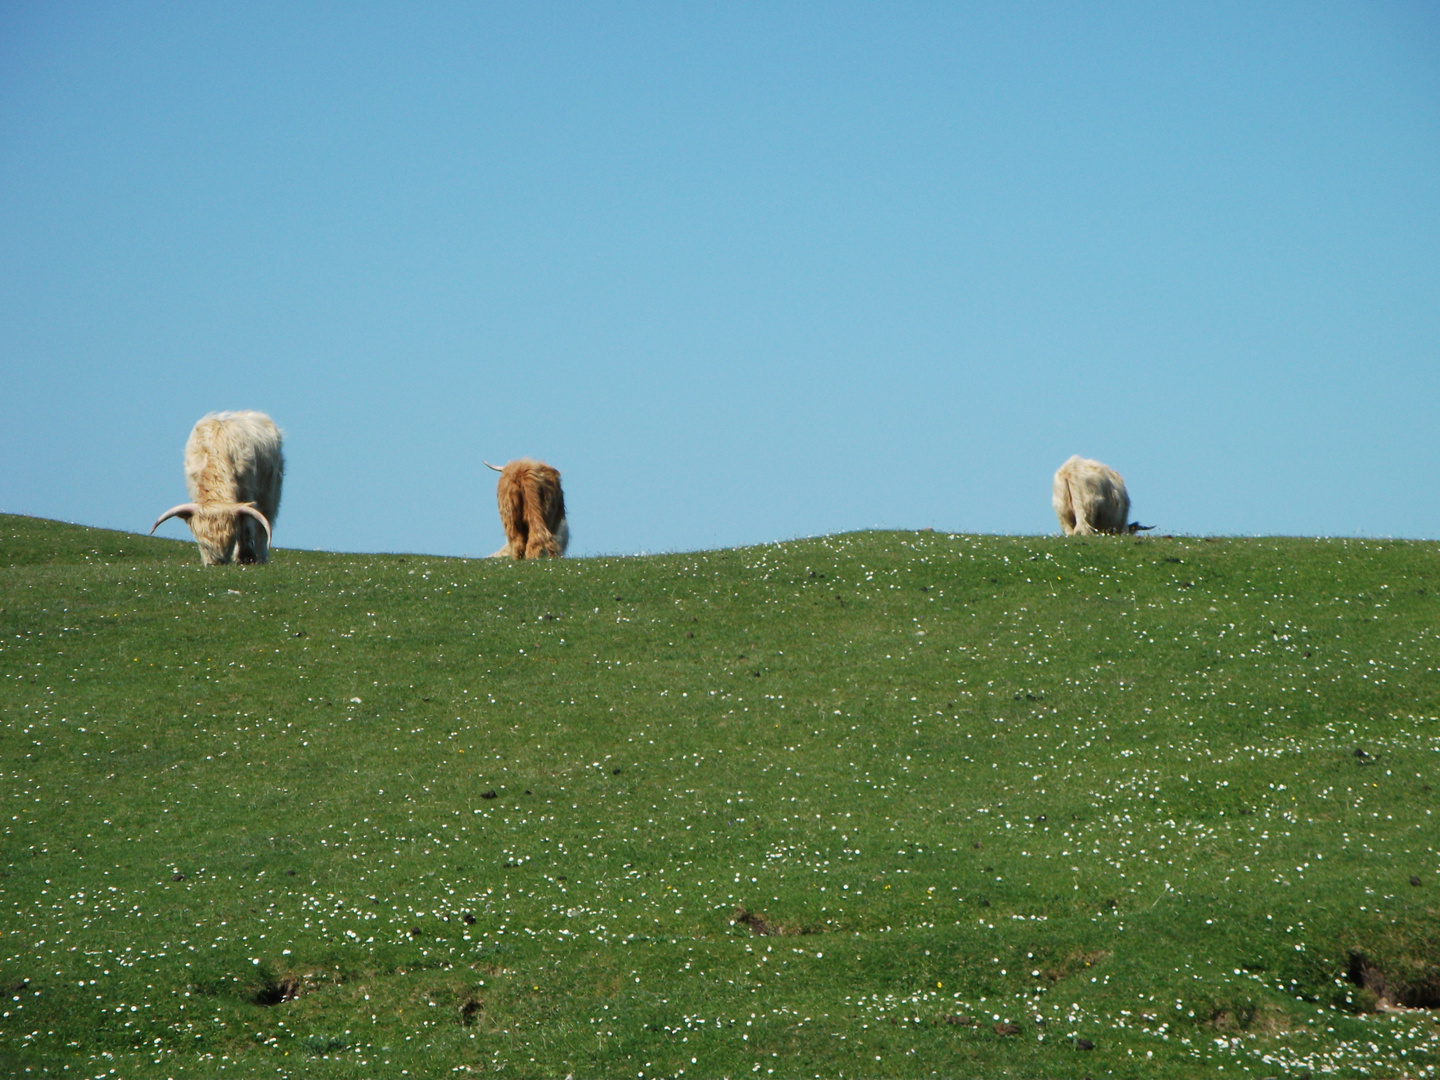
{"x": 233, "y": 471}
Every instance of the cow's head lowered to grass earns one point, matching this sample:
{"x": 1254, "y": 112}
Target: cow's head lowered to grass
{"x": 233, "y": 471}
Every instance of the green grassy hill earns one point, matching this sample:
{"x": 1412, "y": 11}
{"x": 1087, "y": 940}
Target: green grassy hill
{"x": 882, "y": 804}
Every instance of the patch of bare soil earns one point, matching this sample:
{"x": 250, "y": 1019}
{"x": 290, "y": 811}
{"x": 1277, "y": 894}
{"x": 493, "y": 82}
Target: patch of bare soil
{"x": 761, "y": 926}
{"x": 1407, "y": 981}
{"x": 1247, "y": 1016}
{"x": 276, "y": 989}
{"x": 1075, "y": 962}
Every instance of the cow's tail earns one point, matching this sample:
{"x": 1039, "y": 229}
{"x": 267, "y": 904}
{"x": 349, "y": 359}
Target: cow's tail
{"x": 1079, "y": 509}
{"x": 540, "y": 540}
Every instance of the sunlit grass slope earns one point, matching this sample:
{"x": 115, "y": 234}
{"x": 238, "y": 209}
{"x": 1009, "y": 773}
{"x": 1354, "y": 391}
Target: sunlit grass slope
{"x": 884, "y": 804}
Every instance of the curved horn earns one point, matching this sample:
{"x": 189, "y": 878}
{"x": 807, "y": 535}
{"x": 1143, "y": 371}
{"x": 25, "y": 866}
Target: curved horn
{"x": 1135, "y": 527}
{"x": 246, "y": 508}
{"x": 184, "y": 510}
{"x": 497, "y": 468}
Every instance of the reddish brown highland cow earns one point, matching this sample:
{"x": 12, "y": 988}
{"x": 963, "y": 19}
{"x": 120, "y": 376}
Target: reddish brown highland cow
{"x": 532, "y": 510}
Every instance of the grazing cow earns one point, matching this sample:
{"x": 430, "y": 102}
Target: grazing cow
{"x": 233, "y": 471}
{"x": 1090, "y": 498}
{"x": 532, "y": 510}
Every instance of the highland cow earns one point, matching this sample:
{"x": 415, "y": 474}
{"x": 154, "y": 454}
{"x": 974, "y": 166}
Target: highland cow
{"x": 532, "y": 510}
{"x": 233, "y": 471}
{"x": 1090, "y": 498}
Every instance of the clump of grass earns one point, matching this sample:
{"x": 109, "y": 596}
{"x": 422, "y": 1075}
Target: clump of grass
{"x": 322, "y": 1045}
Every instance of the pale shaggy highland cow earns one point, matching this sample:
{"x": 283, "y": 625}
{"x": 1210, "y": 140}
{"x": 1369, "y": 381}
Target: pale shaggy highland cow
{"x": 233, "y": 471}
{"x": 1090, "y": 498}
{"x": 532, "y": 510}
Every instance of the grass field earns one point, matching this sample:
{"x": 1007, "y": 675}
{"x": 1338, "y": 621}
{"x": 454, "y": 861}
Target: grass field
{"x": 880, "y": 804}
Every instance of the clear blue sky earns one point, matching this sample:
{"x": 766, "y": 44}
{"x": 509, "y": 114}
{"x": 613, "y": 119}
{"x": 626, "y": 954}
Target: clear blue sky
{"x": 741, "y": 272}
